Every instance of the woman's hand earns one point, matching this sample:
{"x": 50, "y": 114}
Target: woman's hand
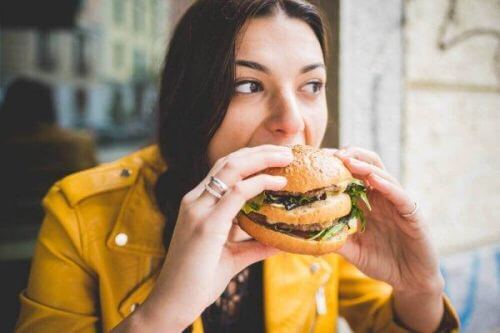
{"x": 200, "y": 260}
{"x": 393, "y": 248}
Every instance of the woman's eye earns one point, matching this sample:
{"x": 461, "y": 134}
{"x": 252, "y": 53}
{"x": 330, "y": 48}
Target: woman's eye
{"x": 313, "y": 87}
{"x": 248, "y": 87}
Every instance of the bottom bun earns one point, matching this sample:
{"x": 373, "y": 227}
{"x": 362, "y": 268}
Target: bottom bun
{"x": 293, "y": 244}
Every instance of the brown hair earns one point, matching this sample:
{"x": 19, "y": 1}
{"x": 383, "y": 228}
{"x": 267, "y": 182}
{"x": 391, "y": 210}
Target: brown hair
{"x": 197, "y": 84}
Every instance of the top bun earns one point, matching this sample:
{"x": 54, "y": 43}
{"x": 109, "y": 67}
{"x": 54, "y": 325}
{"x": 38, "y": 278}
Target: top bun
{"x": 311, "y": 169}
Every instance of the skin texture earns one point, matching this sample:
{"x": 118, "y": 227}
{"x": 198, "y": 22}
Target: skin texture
{"x": 283, "y": 107}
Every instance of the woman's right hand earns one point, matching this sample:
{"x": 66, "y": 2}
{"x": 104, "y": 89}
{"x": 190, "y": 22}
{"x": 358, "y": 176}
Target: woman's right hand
{"x": 201, "y": 261}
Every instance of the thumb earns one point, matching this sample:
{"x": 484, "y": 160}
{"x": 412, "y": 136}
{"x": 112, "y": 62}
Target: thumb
{"x": 248, "y": 252}
{"x": 349, "y": 250}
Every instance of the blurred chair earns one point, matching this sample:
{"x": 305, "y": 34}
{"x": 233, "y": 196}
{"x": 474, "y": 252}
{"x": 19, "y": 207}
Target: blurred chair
{"x": 34, "y": 153}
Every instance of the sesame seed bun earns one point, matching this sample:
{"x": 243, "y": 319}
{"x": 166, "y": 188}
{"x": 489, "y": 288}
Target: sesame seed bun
{"x": 312, "y": 169}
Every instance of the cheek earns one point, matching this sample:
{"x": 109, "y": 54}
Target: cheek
{"x": 317, "y": 120}
{"x": 235, "y": 131}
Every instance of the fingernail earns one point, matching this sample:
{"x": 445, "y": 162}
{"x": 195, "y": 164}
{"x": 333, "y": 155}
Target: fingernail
{"x": 341, "y": 152}
{"x": 353, "y": 161}
{"x": 377, "y": 177}
{"x": 281, "y": 179}
{"x": 287, "y": 155}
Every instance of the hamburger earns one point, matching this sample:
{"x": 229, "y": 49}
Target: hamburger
{"x": 315, "y": 212}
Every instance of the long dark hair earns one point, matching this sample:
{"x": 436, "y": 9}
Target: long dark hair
{"x": 197, "y": 84}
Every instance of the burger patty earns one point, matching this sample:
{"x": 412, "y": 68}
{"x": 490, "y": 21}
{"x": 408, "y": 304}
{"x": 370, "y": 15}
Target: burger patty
{"x": 261, "y": 219}
{"x": 307, "y": 227}
{"x": 313, "y": 193}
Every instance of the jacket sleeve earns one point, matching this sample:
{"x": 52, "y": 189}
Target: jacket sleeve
{"x": 367, "y": 304}
{"x": 61, "y": 295}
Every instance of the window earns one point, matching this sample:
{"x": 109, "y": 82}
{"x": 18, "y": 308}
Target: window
{"x": 139, "y": 64}
{"x": 80, "y": 58}
{"x": 118, "y": 55}
{"x": 139, "y": 15}
{"x": 119, "y": 12}
{"x": 46, "y": 51}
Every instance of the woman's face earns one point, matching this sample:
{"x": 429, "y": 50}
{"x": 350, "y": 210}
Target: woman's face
{"x": 279, "y": 95}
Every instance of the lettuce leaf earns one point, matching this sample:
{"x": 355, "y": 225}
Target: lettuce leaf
{"x": 254, "y": 204}
{"x": 357, "y": 190}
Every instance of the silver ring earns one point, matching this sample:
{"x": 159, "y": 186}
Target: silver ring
{"x": 413, "y": 212}
{"x": 216, "y": 187}
{"x": 219, "y": 183}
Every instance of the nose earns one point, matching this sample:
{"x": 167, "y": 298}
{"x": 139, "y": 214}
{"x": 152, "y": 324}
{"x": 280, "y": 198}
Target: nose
{"x": 286, "y": 117}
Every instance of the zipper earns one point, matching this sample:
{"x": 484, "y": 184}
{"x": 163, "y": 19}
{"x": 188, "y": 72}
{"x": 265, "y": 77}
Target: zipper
{"x": 320, "y": 305}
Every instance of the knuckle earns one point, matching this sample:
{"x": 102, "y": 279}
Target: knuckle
{"x": 186, "y": 199}
{"x": 239, "y": 189}
{"x": 193, "y": 214}
{"x": 202, "y": 229}
{"x": 232, "y": 164}
{"x": 221, "y": 160}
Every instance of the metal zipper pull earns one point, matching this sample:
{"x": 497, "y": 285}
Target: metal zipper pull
{"x": 321, "y": 307}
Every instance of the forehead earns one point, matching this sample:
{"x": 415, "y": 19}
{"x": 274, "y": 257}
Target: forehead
{"x": 271, "y": 38}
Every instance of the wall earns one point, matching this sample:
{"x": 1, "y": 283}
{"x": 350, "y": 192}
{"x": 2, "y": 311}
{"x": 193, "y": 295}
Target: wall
{"x": 451, "y": 160}
{"x": 452, "y": 155}
{"x": 371, "y": 70}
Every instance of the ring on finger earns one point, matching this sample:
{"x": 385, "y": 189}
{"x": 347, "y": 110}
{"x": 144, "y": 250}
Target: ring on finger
{"x": 216, "y": 187}
{"x": 413, "y": 211}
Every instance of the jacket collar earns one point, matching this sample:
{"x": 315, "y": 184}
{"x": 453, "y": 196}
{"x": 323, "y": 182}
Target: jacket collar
{"x": 139, "y": 211}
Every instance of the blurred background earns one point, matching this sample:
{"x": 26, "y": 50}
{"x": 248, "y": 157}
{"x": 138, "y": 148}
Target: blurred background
{"x": 418, "y": 81}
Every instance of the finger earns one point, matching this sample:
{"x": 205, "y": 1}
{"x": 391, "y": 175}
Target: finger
{"x": 362, "y": 154}
{"x": 330, "y": 150}
{"x": 363, "y": 169}
{"x": 240, "y": 167}
{"x": 196, "y": 192}
{"x": 230, "y": 204}
{"x": 394, "y": 193}
{"x": 249, "y": 252}
{"x": 236, "y": 233}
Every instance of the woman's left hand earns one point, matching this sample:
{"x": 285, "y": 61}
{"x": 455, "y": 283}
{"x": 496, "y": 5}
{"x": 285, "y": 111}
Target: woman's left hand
{"x": 393, "y": 248}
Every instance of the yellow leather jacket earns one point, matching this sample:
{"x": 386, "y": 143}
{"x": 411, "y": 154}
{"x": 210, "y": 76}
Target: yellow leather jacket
{"x": 100, "y": 248}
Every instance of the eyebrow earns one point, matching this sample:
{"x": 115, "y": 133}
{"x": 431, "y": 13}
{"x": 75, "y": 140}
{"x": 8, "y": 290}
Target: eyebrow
{"x": 262, "y": 68}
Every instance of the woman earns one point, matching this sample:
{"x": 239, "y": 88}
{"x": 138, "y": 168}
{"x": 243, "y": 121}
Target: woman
{"x": 242, "y": 79}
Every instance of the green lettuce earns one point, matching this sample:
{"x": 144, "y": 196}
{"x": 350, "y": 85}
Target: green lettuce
{"x": 356, "y": 190}
{"x": 254, "y": 204}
